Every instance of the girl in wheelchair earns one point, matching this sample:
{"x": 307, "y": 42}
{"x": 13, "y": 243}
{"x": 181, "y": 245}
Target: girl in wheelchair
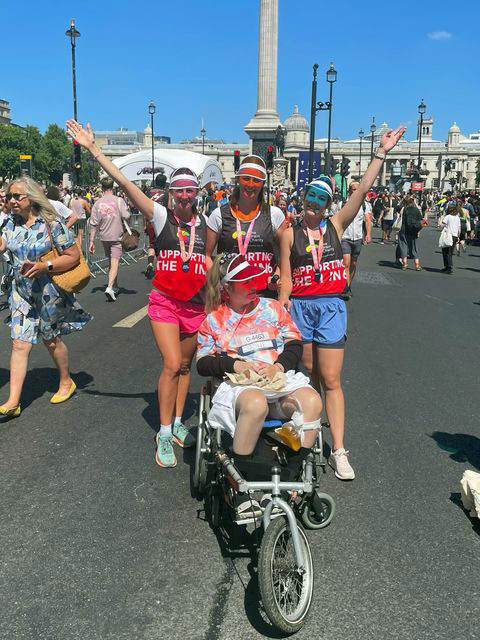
{"x": 243, "y": 332}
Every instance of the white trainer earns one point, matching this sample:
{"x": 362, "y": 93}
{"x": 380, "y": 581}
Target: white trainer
{"x": 110, "y": 293}
{"x": 338, "y": 460}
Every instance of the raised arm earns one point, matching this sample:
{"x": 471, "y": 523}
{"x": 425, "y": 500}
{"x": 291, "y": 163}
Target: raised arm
{"x": 85, "y": 138}
{"x": 348, "y": 212}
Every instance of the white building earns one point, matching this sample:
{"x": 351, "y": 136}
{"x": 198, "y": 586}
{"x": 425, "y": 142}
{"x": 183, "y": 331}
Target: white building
{"x": 462, "y": 150}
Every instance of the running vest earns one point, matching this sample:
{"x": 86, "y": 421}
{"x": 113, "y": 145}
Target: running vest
{"x": 333, "y": 275}
{"x": 170, "y": 279}
{"x": 261, "y": 250}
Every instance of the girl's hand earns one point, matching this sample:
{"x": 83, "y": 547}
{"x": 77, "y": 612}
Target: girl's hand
{"x": 269, "y": 370}
{"x": 84, "y": 137}
{"x": 245, "y": 365}
{"x": 91, "y": 247}
{"x": 391, "y": 138}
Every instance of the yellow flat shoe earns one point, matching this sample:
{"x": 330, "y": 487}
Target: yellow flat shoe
{"x": 57, "y": 398}
{"x": 10, "y": 413}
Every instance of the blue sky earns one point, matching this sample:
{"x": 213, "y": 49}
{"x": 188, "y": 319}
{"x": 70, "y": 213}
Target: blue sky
{"x": 199, "y": 59}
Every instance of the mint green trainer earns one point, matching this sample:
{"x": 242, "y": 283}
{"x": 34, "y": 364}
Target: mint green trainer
{"x": 165, "y": 456}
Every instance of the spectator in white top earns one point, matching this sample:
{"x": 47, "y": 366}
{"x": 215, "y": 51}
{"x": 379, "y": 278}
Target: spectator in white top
{"x": 65, "y": 214}
{"x": 452, "y": 221}
{"x": 357, "y": 233}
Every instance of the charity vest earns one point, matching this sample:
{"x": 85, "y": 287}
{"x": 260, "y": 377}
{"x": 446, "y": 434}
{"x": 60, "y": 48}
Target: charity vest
{"x": 170, "y": 278}
{"x": 333, "y": 275}
{"x": 261, "y": 251}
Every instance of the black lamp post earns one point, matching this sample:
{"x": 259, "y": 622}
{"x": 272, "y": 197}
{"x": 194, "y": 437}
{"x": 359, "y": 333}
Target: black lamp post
{"x": 361, "y": 134}
{"x": 421, "y": 110}
{"x": 151, "y": 111}
{"x": 331, "y": 78}
{"x": 373, "y": 128}
{"x": 320, "y": 106}
{"x": 202, "y": 133}
{"x": 73, "y": 34}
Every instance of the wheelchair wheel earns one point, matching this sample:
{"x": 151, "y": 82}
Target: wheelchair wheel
{"x": 286, "y": 594}
{"x": 214, "y": 505}
{"x": 200, "y": 469}
{"x": 317, "y": 511}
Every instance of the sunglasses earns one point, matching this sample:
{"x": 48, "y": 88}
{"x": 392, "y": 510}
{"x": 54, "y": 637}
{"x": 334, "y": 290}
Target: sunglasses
{"x": 250, "y": 180}
{"x": 15, "y": 196}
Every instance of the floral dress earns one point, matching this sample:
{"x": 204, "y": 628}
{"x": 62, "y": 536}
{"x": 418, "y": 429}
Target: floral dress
{"x": 38, "y": 308}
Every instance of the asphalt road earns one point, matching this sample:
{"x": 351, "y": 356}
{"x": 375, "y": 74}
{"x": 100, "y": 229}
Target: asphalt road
{"x": 98, "y": 543}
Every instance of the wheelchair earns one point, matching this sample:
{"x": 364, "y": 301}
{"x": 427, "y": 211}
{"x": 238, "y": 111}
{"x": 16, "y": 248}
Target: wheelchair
{"x": 285, "y": 565}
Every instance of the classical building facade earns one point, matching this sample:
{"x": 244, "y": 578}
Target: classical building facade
{"x": 461, "y": 150}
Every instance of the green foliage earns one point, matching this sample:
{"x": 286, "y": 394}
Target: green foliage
{"x": 51, "y": 152}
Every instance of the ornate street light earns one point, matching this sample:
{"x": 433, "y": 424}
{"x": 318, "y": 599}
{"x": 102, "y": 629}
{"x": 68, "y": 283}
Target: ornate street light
{"x": 73, "y": 34}
{"x": 202, "y": 133}
{"x": 331, "y": 76}
{"x": 373, "y": 128}
{"x": 151, "y": 111}
{"x": 361, "y": 135}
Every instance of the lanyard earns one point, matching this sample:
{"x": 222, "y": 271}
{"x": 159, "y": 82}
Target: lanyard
{"x": 243, "y": 244}
{"x": 225, "y": 336}
{"x": 180, "y": 233}
{"x": 317, "y": 252}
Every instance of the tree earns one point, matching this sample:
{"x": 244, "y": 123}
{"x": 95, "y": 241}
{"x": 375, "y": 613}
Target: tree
{"x": 55, "y": 154}
{"x": 12, "y": 144}
{"x": 477, "y": 173}
{"x": 448, "y": 165}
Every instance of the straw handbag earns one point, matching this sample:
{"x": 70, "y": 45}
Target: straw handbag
{"x": 73, "y": 280}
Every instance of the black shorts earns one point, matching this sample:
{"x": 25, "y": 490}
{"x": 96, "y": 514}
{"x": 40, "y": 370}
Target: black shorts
{"x": 352, "y": 247}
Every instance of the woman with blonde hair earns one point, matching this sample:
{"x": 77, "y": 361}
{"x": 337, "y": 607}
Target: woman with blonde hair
{"x": 38, "y": 308}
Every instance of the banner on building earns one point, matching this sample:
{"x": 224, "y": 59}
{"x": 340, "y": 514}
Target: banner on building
{"x": 417, "y": 186}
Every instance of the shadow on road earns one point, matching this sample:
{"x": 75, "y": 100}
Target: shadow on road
{"x": 389, "y": 263}
{"x": 151, "y": 412}
{"x": 121, "y": 291}
{"x": 462, "y": 447}
{"x": 43, "y": 380}
{"x": 433, "y": 269}
{"x": 475, "y": 522}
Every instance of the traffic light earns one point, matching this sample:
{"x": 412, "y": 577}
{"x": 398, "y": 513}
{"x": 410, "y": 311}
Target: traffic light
{"x": 333, "y": 166}
{"x": 326, "y": 162}
{"x": 345, "y": 167}
{"x": 77, "y": 156}
{"x": 269, "y": 158}
{"x": 236, "y": 161}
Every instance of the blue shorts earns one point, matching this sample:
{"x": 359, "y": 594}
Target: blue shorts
{"x": 321, "y": 320}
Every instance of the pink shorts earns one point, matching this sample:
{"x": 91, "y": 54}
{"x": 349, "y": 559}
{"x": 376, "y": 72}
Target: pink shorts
{"x": 113, "y": 249}
{"x": 186, "y": 315}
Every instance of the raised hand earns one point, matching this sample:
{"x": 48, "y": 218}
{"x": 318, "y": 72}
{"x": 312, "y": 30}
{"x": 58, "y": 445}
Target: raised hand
{"x": 84, "y": 137}
{"x": 391, "y": 138}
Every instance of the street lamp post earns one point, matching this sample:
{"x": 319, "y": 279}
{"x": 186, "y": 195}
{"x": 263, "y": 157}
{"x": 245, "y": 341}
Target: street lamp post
{"x": 373, "y": 128}
{"x": 202, "y": 133}
{"x": 421, "y": 110}
{"x": 151, "y": 111}
{"x": 331, "y": 78}
{"x": 73, "y": 34}
{"x": 320, "y": 106}
{"x": 361, "y": 134}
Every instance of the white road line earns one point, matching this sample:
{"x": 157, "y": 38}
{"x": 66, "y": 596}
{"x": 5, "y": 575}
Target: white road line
{"x": 131, "y": 320}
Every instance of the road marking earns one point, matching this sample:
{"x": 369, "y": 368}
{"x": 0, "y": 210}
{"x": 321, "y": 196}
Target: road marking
{"x": 131, "y": 320}
{"x": 439, "y": 299}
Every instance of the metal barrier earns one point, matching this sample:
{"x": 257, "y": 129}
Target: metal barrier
{"x": 96, "y": 265}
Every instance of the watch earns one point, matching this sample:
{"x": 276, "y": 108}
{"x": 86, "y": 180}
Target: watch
{"x": 379, "y": 156}
{"x": 49, "y": 265}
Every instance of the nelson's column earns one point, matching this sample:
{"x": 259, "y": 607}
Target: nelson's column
{"x": 261, "y": 128}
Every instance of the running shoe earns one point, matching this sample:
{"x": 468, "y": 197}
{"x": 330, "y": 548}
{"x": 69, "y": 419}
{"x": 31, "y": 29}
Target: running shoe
{"x": 182, "y": 436}
{"x": 110, "y": 293}
{"x": 338, "y": 460}
{"x": 165, "y": 455}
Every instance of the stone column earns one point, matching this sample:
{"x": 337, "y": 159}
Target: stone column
{"x": 262, "y": 126}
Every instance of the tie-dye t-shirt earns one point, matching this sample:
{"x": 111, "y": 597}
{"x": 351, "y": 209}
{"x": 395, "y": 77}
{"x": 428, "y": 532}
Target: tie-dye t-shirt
{"x": 259, "y": 335}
